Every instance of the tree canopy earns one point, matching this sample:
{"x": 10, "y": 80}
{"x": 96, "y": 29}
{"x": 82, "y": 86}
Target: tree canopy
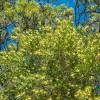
{"x": 51, "y": 60}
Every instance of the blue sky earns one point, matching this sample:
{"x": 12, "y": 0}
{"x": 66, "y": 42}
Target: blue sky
{"x": 71, "y": 3}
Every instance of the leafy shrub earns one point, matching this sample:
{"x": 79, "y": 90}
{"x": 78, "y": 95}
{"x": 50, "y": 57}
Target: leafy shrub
{"x": 51, "y": 64}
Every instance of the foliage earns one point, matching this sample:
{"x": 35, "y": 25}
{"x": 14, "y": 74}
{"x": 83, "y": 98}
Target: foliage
{"x": 53, "y": 62}
{"x": 90, "y": 9}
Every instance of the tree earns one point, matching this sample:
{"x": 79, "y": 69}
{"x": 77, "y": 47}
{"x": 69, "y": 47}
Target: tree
{"x": 54, "y": 61}
{"x": 91, "y": 11}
